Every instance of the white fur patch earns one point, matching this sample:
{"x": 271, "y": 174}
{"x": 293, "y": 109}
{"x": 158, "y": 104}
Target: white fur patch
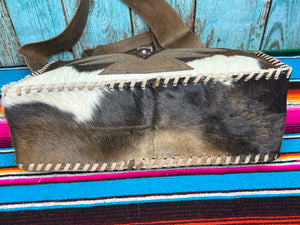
{"x": 218, "y": 64}
{"x": 225, "y": 64}
{"x": 81, "y": 103}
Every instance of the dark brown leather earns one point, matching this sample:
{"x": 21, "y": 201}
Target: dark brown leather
{"x": 121, "y": 46}
{"x": 167, "y": 31}
{"x": 167, "y": 60}
{"x": 36, "y": 54}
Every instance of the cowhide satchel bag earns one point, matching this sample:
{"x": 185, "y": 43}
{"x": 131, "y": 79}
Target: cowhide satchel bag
{"x": 166, "y": 102}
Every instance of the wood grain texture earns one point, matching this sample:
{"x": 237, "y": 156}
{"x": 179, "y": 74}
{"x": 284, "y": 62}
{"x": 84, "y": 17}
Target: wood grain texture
{"x": 283, "y": 27}
{"x": 184, "y": 8}
{"x": 108, "y": 21}
{"x": 9, "y": 43}
{"x": 36, "y": 20}
{"x": 231, "y": 24}
{"x": 245, "y": 24}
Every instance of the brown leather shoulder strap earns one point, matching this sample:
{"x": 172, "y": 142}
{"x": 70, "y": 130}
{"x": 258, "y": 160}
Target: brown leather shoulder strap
{"x": 166, "y": 25}
{"x": 36, "y": 54}
{"x": 167, "y": 31}
{"x": 126, "y": 45}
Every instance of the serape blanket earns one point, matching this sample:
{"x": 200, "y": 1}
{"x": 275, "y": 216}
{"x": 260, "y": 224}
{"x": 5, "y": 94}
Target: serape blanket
{"x": 266, "y": 193}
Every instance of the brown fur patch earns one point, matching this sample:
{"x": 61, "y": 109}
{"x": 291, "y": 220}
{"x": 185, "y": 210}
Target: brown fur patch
{"x": 183, "y": 142}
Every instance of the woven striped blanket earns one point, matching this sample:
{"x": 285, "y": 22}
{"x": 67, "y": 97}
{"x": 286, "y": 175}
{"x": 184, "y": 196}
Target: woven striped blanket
{"x": 267, "y": 193}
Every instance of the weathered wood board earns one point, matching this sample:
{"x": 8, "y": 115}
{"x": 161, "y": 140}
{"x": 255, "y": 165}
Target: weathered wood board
{"x": 245, "y": 24}
{"x": 108, "y": 21}
{"x": 234, "y": 24}
{"x": 283, "y": 27}
{"x": 9, "y": 42}
{"x": 35, "y": 20}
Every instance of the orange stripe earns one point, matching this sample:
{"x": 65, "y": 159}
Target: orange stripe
{"x": 293, "y": 95}
{"x": 1, "y": 111}
{"x": 291, "y": 155}
{"x": 229, "y": 221}
{"x": 14, "y": 169}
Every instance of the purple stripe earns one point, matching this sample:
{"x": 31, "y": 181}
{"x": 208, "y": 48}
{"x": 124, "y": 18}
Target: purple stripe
{"x": 153, "y": 173}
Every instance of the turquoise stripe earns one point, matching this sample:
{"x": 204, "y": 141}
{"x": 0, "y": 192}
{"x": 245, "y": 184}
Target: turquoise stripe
{"x": 7, "y": 159}
{"x": 290, "y": 146}
{"x": 295, "y": 63}
{"x": 153, "y": 185}
{"x": 14, "y": 74}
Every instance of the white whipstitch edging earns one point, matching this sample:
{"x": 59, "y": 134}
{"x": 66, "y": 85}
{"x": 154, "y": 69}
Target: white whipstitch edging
{"x": 153, "y": 163}
{"x": 132, "y": 84}
{"x": 43, "y": 69}
{"x": 157, "y": 82}
{"x": 273, "y": 60}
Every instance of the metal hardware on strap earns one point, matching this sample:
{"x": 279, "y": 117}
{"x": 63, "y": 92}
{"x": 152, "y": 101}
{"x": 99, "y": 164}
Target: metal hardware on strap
{"x": 144, "y": 51}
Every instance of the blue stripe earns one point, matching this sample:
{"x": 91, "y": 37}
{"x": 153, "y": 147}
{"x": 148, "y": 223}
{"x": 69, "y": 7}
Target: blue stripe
{"x": 293, "y": 62}
{"x": 153, "y": 185}
{"x": 14, "y": 74}
{"x": 7, "y": 159}
{"x": 290, "y": 146}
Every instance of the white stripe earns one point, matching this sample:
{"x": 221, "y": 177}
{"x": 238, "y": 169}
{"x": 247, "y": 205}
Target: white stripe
{"x": 15, "y": 68}
{"x": 291, "y": 137}
{"x": 152, "y": 198}
{"x": 287, "y": 57}
{"x": 6, "y": 151}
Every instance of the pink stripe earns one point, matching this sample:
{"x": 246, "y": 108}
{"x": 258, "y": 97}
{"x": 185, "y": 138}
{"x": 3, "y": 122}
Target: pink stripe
{"x": 5, "y": 138}
{"x": 143, "y": 174}
{"x": 292, "y": 124}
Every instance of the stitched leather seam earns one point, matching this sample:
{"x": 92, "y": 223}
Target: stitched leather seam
{"x": 153, "y": 163}
{"x": 119, "y": 84}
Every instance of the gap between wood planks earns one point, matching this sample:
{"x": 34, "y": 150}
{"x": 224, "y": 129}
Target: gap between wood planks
{"x": 266, "y": 18}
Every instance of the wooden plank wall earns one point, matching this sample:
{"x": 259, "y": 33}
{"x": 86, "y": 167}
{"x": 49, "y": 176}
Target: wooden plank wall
{"x": 242, "y": 24}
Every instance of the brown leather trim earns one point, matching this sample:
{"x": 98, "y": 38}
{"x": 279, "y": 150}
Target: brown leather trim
{"x": 139, "y": 65}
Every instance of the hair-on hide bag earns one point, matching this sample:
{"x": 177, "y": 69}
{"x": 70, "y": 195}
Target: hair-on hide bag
{"x": 178, "y": 105}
